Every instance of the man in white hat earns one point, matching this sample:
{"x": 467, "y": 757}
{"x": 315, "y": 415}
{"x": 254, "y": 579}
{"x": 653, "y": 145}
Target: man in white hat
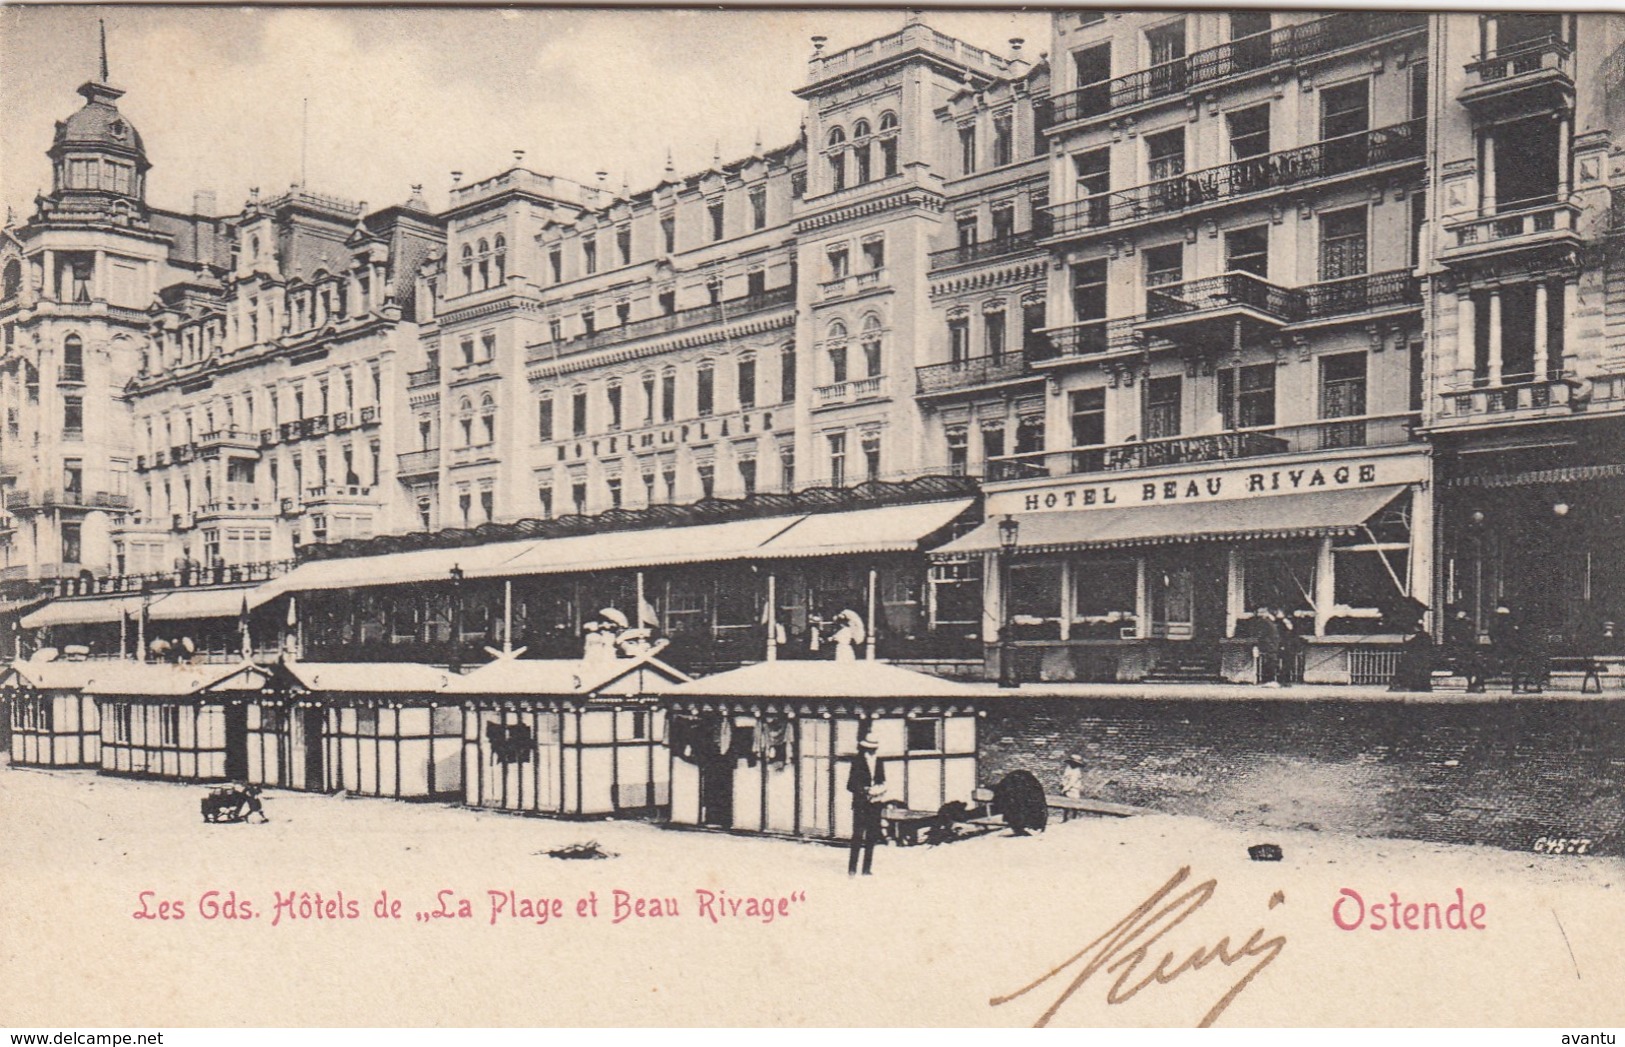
{"x": 866, "y": 783}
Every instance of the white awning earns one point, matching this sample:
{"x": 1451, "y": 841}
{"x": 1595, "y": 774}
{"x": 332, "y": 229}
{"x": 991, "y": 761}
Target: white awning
{"x": 888, "y": 529}
{"x": 184, "y": 604}
{"x": 735, "y": 540}
{"x": 83, "y": 612}
{"x": 418, "y": 565}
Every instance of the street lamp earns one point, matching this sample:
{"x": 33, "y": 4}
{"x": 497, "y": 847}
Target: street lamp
{"x": 455, "y": 662}
{"x": 1009, "y": 534}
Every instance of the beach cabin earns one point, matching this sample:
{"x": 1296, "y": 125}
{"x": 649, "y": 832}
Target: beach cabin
{"x": 577, "y": 738}
{"x": 374, "y": 729}
{"x": 767, "y": 748}
{"x": 53, "y": 722}
{"x": 181, "y": 722}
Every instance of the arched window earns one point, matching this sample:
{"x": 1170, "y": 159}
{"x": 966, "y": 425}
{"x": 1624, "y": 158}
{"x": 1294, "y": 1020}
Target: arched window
{"x": 465, "y": 421}
{"x": 73, "y": 359}
{"x": 837, "y": 159}
{"x": 888, "y": 144}
{"x": 835, "y": 352}
{"x": 860, "y": 152}
{"x": 254, "y": 247}
{"x": 501, "y": 259}
{"x": 873, "y": 362}
{"x": 468, "y": 269}
{"x": 13, "y": 280}
{"x": 488, "y": 419}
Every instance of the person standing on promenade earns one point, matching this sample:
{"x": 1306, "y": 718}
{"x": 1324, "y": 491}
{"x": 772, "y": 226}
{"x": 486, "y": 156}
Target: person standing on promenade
{"x": 866, "y": 783}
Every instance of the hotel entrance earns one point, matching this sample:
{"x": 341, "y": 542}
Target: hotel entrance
{"x": 1187, "y": 588}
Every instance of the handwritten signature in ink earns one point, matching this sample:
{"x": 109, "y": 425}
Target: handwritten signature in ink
{"x": 1129, "y": 944}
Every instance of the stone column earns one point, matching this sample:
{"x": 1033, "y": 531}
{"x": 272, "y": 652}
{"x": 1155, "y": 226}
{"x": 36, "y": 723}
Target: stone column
{"x": 1325, "y": 587}
{"x": 1571, "y": 322}
{"x": 49, "y": 264}
{"x": 1235, "y": 588}
{"x": 1142, "y": 598}
{"x": 1486, "y": 197}
{"x": 1495, "y": 338}
{"x": 1563, "y": 158}
{"x": 1541, "y": 347}
{"x": 1466, "y": 339}
{"x": 98, "y": 277}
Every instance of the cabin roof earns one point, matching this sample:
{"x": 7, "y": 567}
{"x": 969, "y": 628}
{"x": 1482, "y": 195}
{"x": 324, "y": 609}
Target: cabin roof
{"x": 831, "y": 679}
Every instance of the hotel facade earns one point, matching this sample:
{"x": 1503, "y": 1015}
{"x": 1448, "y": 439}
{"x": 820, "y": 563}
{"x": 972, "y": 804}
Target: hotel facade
{"x": 1065, "y": 358}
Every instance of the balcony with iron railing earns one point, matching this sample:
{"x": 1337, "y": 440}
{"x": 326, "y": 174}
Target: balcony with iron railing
{"x": 1251, "y": 54}
{"x": 682, "y": 319}
{"x": 1207, "y": 311}
{"x": 1391, "y": 290}
{"x": 1329, "y": 434}
{"x": 1270, "y": 172}
{"x": 1531, "y": 76}
{"x": 190, "y": 576}
{"x": 1518, "y": 226}
{"x": 417, "y": 463}
{"x": 973, "y": 373}
{"x": 985, "y": 251}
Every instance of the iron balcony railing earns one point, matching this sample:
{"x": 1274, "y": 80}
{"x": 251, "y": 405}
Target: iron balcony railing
{"x": 1527, "y": 57}
{"x": 998, "y": 247}
{"x": 193, "y": 575}
{"x": 1392, "y": 289}
{"x": 970, "y": 373}
{"x": 1237, "y": 444}
{"x": 1214, "y": 292}
{"x": 1256, "y": 174}
{"x": 1087, "y": 338}
{"x": 1249, "y": 54}
{"x": 677, "y": 321}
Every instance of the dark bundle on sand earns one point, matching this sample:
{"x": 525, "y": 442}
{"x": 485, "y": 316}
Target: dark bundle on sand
{"x": 586, "y": 851}
{"x": 1020, "y": 799}
{"x": 946, "y": 828}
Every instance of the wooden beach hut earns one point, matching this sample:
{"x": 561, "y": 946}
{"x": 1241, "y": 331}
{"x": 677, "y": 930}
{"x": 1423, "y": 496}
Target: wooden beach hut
{"x": 181, "y": 722}
{"x": 53, "y": 722}
{"x": 767, "y": 748}
{"x": 375, "y": 729}
{"x": 567, "y": 737}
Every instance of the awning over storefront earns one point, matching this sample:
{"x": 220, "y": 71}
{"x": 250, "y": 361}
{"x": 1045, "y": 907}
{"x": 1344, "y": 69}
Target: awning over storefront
{"x": 895, "y": 528}
{"x": 888, "y": 529}
{"x": 186, "y": 604}
{"x": 83, "y": 612}
{"x": 1280, "y": 516}
{"x": 735, "y": 540}
{"x": 419, "y": 565}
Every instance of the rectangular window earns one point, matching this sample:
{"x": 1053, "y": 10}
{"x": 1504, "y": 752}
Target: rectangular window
{"x": 707, "y": 473}
{"x": 544, "y": 495}
{"x": 958, "y": 452}
{"x": 1345, "y": 109}
{"x": 923, "y": 735}
{"x": 994, "y": 325}
{"x": 1164, "y": 265}
{"x": 1249, "y": 132}
{"x": 874, "y": 255}
{"x": 705, "y": 392}
{"x": 668, "y": 396}
{"x": 1033, "y": 320}
{"x": 1165, "y": 47}
{"x": 747, "y": 476}
{"x": 967, "y": 149}
{"x": 623, "y": 245}
{"x": 578, "y": 496}
{"x": 787, "y": 374}
{"x": 837, "y": 459}
{"x": 758, "y": 207}
{"x": 613, "y": 483}
{"x": 1089, "y": 291}
{"x": 1163, "y": 401}
{"x": 787, "y": 467}
{"x": 555, "y": 264}
{"x": 1248, "y": 251}
{"x": 1088, "y": 417}
{"x": 714, "y": 211}
{"x": 959, "y": 339}
{"x": 837, "y": 364}
{"x": 1003, "y": 139}
{"x": 1093, "y": 68}
{"x": 623, "y": 313}
{"x": 1165, "y": 154}
{"x": 73, "y": 484}
{"x": 746, "y": 381}
{"x": 1343, "y": 395}
{"x": 589, "y": 256}
{"x": 1343, "y": 244}
{"x": 589, "y": 322}
{"x": 839, "y": 262}
{"x": 578, "y": 413}
{"x": 555, "y": 329}
{"x": 871, "y": 456}
{"x": 1419, "y": 91}
{"x": 73, "y": 417}
{"x": 755, "y": 283}
{"x": 668, "y": 233}
{"x": 613, "y": 396}
{"x": 71, "y": 547}
{"x": 992, "y": 441}
{"x": 965, "y": 230}
{"x": 1004, "y": 222}
{"x": 668, "y": 302}
{"x": 1248, "y": 23}
{"x": 1255, "y": 401}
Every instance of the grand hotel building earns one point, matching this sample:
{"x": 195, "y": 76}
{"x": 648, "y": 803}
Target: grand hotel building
{"x": 1094, "y": 348}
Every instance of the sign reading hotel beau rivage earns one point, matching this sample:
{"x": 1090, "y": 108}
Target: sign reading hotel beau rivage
{"x": 1216, "y": 485}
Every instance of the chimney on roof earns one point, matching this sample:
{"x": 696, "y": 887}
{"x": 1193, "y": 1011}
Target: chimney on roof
{"x": 518, "y": 157}
{"x": 456, "y": 177}
{"x": 1018, "y": 61}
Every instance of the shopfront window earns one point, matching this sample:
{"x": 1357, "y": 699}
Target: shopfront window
{"x": 1281, "y": 578}
{"x": 1035, "y": 600}
{"x": 1104, "y": 599}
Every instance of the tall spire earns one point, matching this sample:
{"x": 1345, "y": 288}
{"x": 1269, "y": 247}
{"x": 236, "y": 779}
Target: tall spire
{"x": 103, "y": 24}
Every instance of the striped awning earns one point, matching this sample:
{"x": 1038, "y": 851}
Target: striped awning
{"x": 1569, "y": 475}
{"x": 1280, "y": 516}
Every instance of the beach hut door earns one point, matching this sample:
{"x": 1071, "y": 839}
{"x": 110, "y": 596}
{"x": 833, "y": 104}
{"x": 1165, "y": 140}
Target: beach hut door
{"x": 315, "y": 773}
{"x": 237, "y": 742}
